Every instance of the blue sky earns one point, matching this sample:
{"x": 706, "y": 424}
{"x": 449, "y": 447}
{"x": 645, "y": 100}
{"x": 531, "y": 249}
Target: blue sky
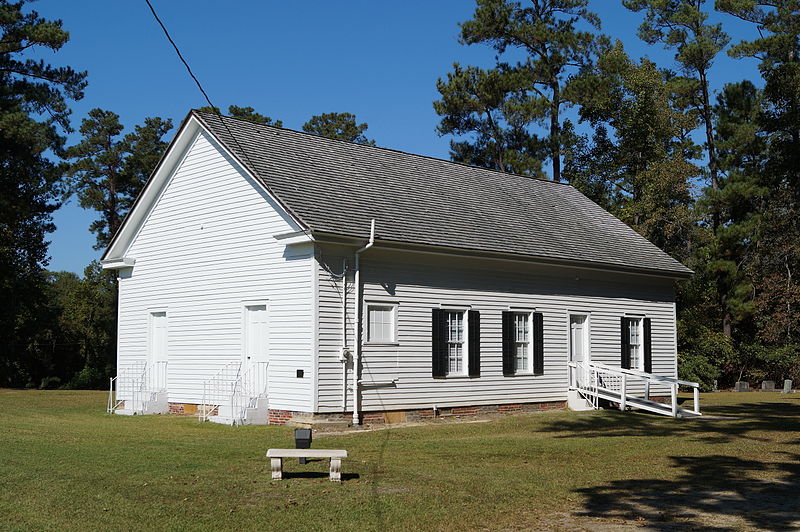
{"x": 289, "y": 60}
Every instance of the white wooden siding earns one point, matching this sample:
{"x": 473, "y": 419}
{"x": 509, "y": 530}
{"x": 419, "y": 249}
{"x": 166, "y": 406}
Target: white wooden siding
{"x": 420, "y": 282}
{"x": 204, "y": 250}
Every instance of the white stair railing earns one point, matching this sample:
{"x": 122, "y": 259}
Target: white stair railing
{"x": 251, "y": 384}
{"x": 135, "y": 385}
{"x": 595, "y": 381}
{"x": 219, "y": 390}
{"x": 129, "y": 381}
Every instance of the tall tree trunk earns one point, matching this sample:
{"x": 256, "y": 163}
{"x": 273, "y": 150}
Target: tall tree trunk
{"x": 727, "y": 328}
{"x": 713, "y": 166}
{"x": 555, "y": 130}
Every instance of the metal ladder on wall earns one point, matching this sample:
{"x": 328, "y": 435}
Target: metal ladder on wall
{"x": 629, "y": 388}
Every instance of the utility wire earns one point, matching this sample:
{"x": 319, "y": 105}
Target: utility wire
{"x": 214, "y": 108}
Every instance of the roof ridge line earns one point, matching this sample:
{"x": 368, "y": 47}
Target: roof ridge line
{"x": 394, "y": 150}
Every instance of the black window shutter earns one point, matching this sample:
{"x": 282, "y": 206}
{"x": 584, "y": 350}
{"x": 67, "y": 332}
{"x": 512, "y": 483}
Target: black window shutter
{"x": 625, "y": 344}
{"x": 538, "y": 343}
{"x": 648, "y": 346}
{"x": 438, "y": 343}
{"x": 474, "y": 343}
{"x": 508, "y": 343}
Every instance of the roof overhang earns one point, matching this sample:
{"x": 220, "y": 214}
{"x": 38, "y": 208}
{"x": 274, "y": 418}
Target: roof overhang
{"x": 294, "y": 237}
{"x": 346, "y": 240}
{"x": 117, "y": 264}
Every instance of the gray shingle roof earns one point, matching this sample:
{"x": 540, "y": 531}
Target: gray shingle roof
{"x": 336, "y": 187}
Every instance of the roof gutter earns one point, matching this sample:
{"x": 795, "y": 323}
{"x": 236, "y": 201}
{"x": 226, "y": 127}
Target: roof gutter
{"x": 357, "y": 330}
{"x": 434, "y": 249}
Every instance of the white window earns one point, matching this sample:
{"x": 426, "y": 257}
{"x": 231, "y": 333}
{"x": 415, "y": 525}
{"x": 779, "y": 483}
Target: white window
{"x": 456, "y": 342}
{"x": 381, "y": 323}
{"x": 523, "y": 347}
{"x": 635, "y": 341}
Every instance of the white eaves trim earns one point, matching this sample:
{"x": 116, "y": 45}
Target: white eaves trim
{"x": 294, "y": 237}
{"x": 117, "y": 264}
{"x": 159, "y": 179}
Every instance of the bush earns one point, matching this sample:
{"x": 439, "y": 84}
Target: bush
{"x": 88, "y": 379}
{"x": 50, "y": 383}
{"x": 697, "y": 368}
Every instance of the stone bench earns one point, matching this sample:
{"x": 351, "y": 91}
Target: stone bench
{"x": 335, "y": 455}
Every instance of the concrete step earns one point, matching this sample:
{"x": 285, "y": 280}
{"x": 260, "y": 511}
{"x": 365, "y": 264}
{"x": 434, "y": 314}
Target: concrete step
{"x": 222, "y": 420}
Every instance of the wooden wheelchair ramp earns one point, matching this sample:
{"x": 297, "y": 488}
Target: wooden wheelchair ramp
{"x": 596, "y": 382}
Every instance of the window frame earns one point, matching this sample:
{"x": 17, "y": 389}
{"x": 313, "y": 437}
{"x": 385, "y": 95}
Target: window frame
{"x": 639, "y": 321}
{"x": 385, "y": 304}
{"x": 464, "y": 373}
{"x": 529, "y": 318}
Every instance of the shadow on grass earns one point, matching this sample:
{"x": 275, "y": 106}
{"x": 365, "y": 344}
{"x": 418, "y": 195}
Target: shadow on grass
{"x": 715, "y": 493}
{"x": 719, "y": 424}
{"x": 318, "y": 474}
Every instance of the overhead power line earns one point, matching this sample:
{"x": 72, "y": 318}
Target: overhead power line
{"x": 214, "y": 108}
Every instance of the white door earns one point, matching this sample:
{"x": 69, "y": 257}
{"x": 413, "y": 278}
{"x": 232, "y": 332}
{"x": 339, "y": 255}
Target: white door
{"x": 255, "y": 353}
{"x": 578, "y": 338}
{"x": 158, "y": 356}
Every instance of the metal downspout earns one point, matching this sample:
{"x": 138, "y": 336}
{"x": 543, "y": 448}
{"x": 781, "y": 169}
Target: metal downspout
{"x": 357, "y": 327}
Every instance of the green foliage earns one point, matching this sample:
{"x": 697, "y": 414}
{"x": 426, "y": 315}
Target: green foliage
{"x": 33, "y": 113}
{"x": 108, "y": 169}
{"x": 775, "y": 363}
{"x": 500, "y": 106}
{"x": 245, "y": 113}
{"x": 775, "y": 250}
{"x": 494, "y": 107}
{"x": 78, "y": 346}
{"x": 682, "y": 25}
{"x": 696, "y": 367}
{"x": 342, "y": 126}
{"x": 637, "y": 159}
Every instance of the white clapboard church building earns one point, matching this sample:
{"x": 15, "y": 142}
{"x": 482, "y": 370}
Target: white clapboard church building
{"x": 272, "y": 276}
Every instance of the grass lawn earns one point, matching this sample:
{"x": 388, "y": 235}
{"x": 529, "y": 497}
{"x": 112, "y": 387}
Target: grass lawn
{"x": 66, "y": 465}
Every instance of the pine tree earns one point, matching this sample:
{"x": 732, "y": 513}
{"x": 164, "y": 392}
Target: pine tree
{"x": 343, "y": 126}
{"x": 503, "y": 104}
{"x": 777, "y": 263}
{"x": 638, "y": 154}
{"x": 33, "y": 114}
{"x": 108, "y": 169}
{"x": 245, "y": 113}
{"x": 682, "y": 25}
{"x": 493, "y": 107}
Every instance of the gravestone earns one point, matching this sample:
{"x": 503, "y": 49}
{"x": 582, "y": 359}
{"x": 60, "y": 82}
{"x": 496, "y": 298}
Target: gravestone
{"x": 768, "y": 386}
{"x": 742, "y": 386}
{"x": 715, "y": 386}
{"x": 787, "y": 386}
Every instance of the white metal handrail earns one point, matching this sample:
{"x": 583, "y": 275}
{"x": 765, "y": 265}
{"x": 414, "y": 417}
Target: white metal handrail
{"x": 234, "y": 388}
{"x": 136, "y": 383}
{"x": 219, "y": 389}
{"x": 251, "y": 384}
{"x": 593, "y": 379}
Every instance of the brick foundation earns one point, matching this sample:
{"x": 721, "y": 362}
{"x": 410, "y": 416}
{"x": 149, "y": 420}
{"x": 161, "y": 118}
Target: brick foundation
{"x": 186, "y": 409}
{"x": 284, "y": 417}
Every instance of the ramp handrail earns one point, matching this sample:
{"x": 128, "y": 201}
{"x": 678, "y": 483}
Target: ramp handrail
{"x": 592, "y": 378}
